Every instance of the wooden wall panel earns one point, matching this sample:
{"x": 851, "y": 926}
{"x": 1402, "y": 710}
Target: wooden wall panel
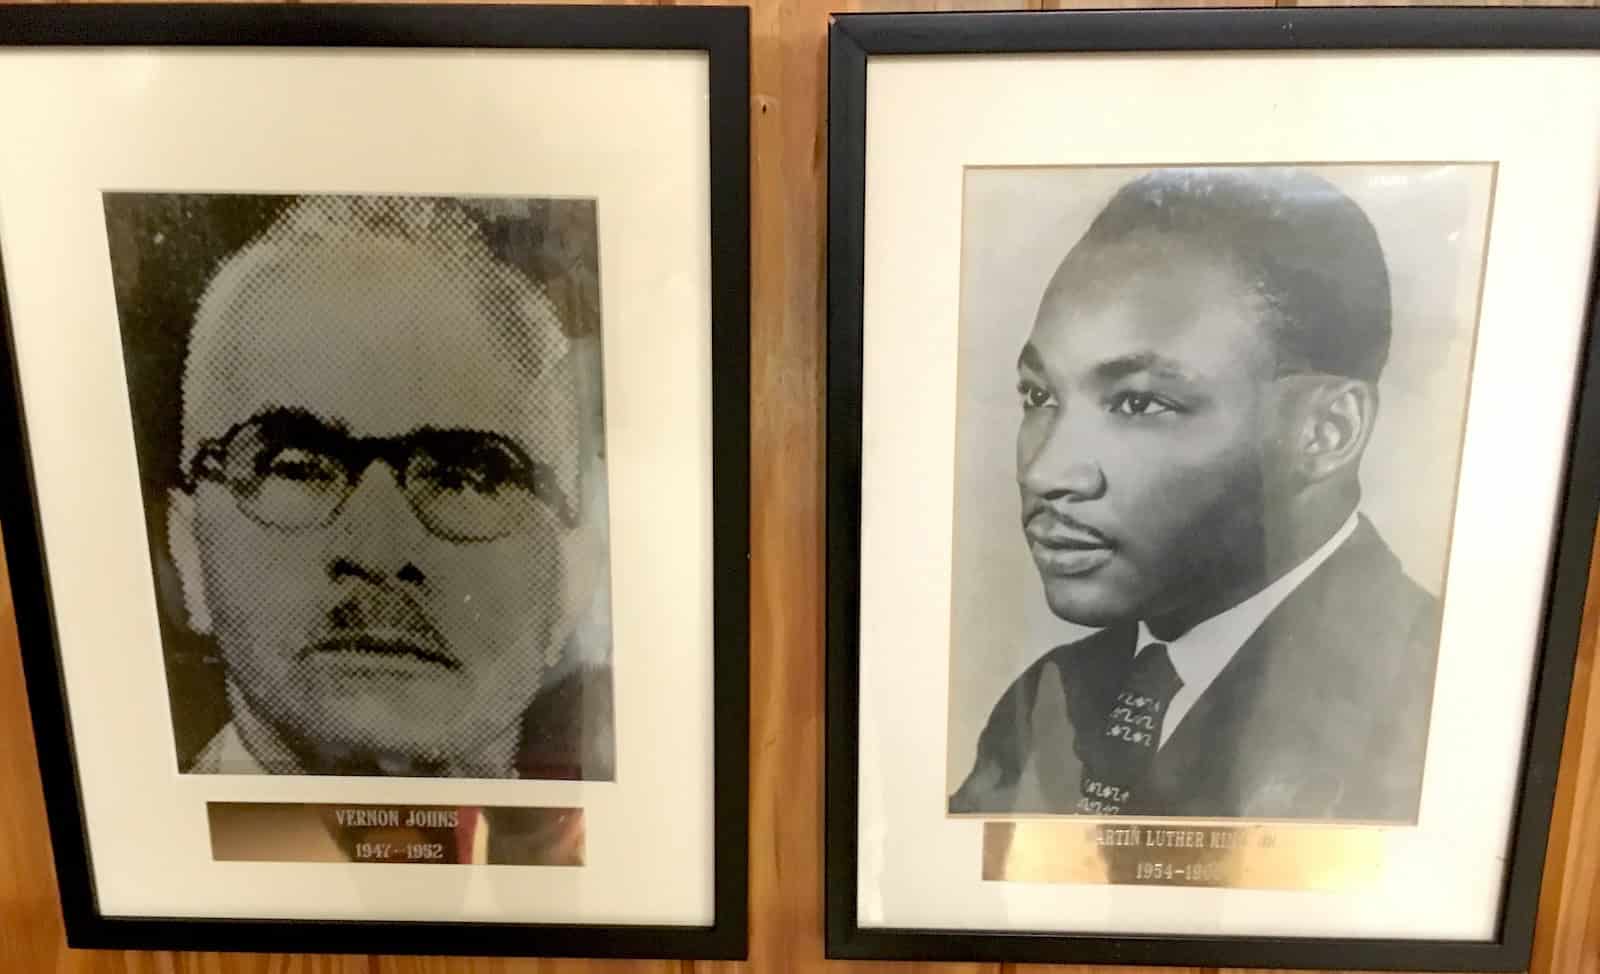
{"x": 788, "y": 160}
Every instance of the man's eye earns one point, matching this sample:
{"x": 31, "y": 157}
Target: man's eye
{"x": 300, "y": 465}
{"x": 485, "y": 472}
{"x": 1035, "y": 396}
{"x": 463, "y": 477}
{"x": 1138, "y": 404}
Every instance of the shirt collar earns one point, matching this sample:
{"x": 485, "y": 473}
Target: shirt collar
{"x": 1202, "y": 652}
{"x": 247, "y": 744}
{"x": 226, "y": 754}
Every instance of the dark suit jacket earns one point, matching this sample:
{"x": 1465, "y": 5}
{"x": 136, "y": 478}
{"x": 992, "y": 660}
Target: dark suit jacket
{"x": 1322, "y": 713}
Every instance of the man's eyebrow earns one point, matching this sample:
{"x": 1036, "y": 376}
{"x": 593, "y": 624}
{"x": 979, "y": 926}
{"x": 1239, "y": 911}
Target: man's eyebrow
{"x": 1030, "y": 359}
{"x": 297, "y": 420}
{"x": 467, "y": 436}
{"x": 1125, "y": 365}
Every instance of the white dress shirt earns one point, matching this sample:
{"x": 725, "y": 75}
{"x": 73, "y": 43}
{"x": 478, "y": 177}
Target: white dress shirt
{"x": 1201, "y": 653}
{"x": 226, "y": 754}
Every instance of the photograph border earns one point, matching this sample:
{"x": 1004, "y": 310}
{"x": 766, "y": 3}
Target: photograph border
{"x": 855, "y": 38}
{"x": 724, "y": 34}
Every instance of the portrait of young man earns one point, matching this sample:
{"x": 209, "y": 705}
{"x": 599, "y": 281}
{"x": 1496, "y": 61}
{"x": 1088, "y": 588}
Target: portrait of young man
{"x": 1240, "y": 563}
{"x": 371, "y": 450}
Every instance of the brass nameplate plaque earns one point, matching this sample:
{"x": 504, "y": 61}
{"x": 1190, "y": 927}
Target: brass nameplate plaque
{"x": 406, "y": 834}
{"x": 1266, "y": 856}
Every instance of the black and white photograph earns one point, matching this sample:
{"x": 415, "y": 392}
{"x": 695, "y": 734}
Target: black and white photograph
{"x": 371, "y": 445}
{"x": 1209, "y": 425}
{"x": 1212, "y": 481}
{"x": 378, "y": 455}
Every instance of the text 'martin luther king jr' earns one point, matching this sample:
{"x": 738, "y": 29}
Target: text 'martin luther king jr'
{"x": 1197, "y": 391}
{"x": 378, "y": 479}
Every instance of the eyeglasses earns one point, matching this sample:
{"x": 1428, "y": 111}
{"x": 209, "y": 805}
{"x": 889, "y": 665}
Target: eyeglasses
{"x": 288, "y": 469}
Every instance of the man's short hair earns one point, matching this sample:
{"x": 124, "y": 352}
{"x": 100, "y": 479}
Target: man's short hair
{"x": 1305, "y": 248}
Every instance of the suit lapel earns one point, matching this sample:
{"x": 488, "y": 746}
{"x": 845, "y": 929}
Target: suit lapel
{"x": 1076, "y": 687}
{"x": 1194, "y": 766}
{"x": 1230, "y": 744}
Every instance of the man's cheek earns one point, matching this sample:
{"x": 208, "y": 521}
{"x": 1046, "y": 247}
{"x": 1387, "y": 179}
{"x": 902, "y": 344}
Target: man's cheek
{"x": 1170, "y": 495}
{"x": 270, "y": 603}
{"x": 485, "y": 618}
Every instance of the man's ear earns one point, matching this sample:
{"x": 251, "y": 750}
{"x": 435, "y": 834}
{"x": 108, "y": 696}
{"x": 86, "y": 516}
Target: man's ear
{"x": 1335, "y": 426}
{"x": 184, "y": 549}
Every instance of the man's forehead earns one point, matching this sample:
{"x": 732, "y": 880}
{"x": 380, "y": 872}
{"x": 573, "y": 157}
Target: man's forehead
{"x": 364, "y": 279}
{"x": 1178, "y": 310}
{"x": 384, "y": 338}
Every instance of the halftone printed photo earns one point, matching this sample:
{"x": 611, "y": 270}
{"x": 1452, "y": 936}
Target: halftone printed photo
{"x": 1208, "y": 440}
{"x": 371, "y": 446}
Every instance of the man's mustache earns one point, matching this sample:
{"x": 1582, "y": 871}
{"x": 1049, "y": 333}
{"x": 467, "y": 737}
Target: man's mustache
{"x": 382, "y": 621}
{"x": 1047, "y": 524}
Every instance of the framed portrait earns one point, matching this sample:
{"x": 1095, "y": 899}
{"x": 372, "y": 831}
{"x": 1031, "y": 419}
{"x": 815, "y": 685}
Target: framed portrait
{"x": 1213, "y": 458}
{"x": 354, "y": 356}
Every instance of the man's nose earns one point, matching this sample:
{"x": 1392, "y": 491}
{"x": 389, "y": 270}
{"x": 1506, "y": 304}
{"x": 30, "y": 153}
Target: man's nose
{"x": 376, "y": 534}
{"x": 1061, "y": 461}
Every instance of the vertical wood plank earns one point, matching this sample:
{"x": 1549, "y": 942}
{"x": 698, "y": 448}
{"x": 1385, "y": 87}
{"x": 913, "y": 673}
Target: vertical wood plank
{"x": 1567, "y": 935}
{"x": 785, "y": 471}
{"x": 789, "y": 44}
{"x": 29, "y": 912}
{"x": 788, "y": 51}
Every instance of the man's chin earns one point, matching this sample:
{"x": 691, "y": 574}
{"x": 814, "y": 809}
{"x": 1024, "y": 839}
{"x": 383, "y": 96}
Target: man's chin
{"x": 376, "y": 735}
{"x": 387, "y": 749}
{"x": 1086, "y": 602}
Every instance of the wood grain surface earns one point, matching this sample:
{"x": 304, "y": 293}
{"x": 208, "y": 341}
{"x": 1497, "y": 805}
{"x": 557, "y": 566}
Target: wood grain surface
{"x": 788, "y": 158}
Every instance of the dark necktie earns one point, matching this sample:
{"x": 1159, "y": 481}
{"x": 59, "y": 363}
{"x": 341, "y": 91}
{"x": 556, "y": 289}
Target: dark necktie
{"x": 1117, "y": 760}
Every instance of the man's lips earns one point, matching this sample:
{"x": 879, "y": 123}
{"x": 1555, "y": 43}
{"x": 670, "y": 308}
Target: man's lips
{"x": 1066, "y": 540}
{"x": 383, "y": 646}
{"x": 1064, "y": 547}
{"x": 1052, "y": 531}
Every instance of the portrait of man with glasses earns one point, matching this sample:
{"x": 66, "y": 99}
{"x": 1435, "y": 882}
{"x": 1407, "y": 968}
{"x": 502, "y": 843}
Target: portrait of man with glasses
{"x": 370, "y": 434}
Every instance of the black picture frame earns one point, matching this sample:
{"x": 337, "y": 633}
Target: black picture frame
{"x": 721, "y": 32}
{"x": 853, "y": 40}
